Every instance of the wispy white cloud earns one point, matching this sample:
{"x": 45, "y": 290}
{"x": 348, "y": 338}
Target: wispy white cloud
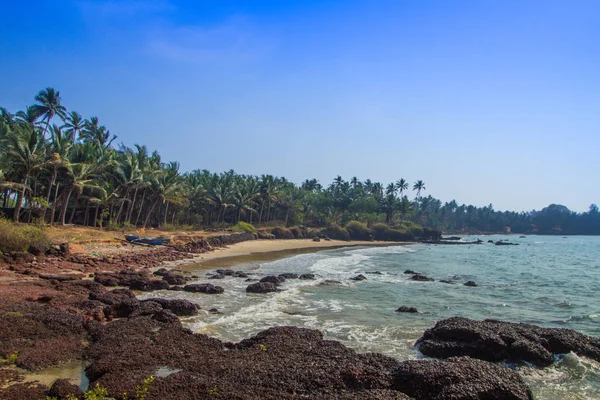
{"x": 234, "y": 40}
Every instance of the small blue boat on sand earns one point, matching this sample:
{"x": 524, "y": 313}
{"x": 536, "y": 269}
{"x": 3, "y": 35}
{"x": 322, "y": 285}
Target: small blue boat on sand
{"x": 149, "y": 241}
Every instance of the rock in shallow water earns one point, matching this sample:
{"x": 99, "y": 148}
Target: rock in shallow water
{"x": 407, "y": 309}
{"x": 498, "y": 341}
{"x": 275, "y": 280}
{"x": 421, "y": 278}
{"x": 262, "y": 287}
{"x": 206, "y": 288}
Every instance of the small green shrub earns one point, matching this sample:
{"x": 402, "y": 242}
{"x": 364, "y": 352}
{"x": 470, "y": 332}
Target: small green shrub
{"x": 380, "y": 231}
{"x": 336, "y": 232}
{"x": 399, "y": 235}
{"x": 20, "y": 238}
{"x": 244, "y": 227}
{"x": 282, "y": 233}
{"x": 359, "y": 231}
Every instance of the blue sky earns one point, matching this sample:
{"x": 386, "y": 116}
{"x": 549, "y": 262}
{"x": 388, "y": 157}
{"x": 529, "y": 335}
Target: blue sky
{"x": 486, "y": 101}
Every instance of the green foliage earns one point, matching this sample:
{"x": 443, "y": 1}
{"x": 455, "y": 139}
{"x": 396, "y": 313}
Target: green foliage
{"x": 297, "y": 232}
{"x": 336, "y": 232}
{"x": 281, "y": 232}
{"x": 380, "y": 231}
{"x": 20, "y": 238}
{"x": 213, "y": 392}
{"x": 359, "y": 231}
{"x": 95, "y": 393}
{"x": 244, "y": 227}
{"x": 142, "y": 390}
{"x": 262, "y": 347}
{"x": 175, "y": 228}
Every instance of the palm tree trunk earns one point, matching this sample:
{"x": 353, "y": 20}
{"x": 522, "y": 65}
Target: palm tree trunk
{"x": 137, "y": 219}
{"x": 96, "y": 215}
{"x": 64, "y": 208}
{"x": 118, "y": 217}
{"x": 73, "y": 210}
{"x": 166, "y": 211}
{"x": 54, "y": 204}
{"x": 262, "y": 205}
{"x": 173, "y": 219}
{"x": 48, "y": 196}
{"x": 130, "y": 208}
{"x": 150, "y": 212}
{"x": 20, "y": 196}
{"x": 87, "y": 212}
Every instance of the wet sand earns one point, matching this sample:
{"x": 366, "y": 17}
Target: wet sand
{"x": 266, "y": 250}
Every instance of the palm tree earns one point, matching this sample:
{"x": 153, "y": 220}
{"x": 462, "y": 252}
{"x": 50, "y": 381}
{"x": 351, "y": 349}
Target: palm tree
{"x": 29, "y": 116}
{"x": 48, "y": 106}
{"x": 74, "y": 124}
{"x": 418, "y": 186}
{"x": 401, "y": 186}
{"x": 25, "y": 153}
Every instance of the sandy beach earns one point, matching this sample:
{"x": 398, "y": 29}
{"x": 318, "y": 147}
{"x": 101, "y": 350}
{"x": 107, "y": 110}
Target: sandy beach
{"x": 253, "y": 250}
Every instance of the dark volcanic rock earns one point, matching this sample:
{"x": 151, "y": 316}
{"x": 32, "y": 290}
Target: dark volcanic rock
{"x": 276, "y": 280}
{"x": 497, "y": 341}
{"x": 447, "y": 281}
{"x": 262, "y": 287}
{"x": 227, "y": 272}
{"x": 307, "y": 276}
{"x": 173, "y": 279}
{"x": 374, "y": 272}
{"x": 146, "y": 308}
{"x": 421, "y": 278}
{"x": 471, "y": 283}
{"x": 407, "y": 309}
{"x": 62, "y": 389}
{"x": 359, "y": 277}
{"x": 207, "y": 288}
{"x": 289, "y": 275}
{"x": 217, "y": 276}
{"x": 410, "y": 271}
{"x": 240, "y": 274}
{"x": 330, "y": 282}
{"x": 459, "y": 378}
{"x": 162, "y": 272}
{"x": 177, "y": 306}
{"x": 147, "y": 285}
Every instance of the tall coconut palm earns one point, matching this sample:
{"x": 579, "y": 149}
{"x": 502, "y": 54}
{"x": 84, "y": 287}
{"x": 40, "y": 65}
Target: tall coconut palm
{"x": 418, "y": 186}
{"x": 74, "y": 124}
{"x": 29, "y": 116}
{"x": 25, "y": 153}
{"x": 401, "y": 186}
{"x": 48, "y": 106}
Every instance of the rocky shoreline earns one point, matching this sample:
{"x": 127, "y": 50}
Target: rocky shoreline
{"x": 53, "y": 312}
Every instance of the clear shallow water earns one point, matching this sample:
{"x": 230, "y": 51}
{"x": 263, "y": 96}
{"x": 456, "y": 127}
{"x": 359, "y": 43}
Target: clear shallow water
{"x": 547, "y": 281}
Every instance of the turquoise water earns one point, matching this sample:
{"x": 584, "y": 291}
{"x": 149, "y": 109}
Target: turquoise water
{"x": 546, "y": 280}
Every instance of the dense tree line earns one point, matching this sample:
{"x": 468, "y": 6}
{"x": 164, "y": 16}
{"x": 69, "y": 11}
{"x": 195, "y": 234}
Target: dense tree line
{"x": 61, "y": 168}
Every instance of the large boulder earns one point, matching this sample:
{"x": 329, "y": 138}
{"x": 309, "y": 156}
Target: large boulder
{"x": 498, "y": 341}
{"x": 62, "y": 389}
{"x": 148, "y": 285}
{"x": 307, "y": 277}
{"x": 275, "y": 280}
{"x": 262, "y": 287}
{"x": 459, "y": 378}
{"x": 421, "y": 278}
{"x": 174, "y": 279}
{"x": 178, "y": 307}
{"x": 206, "y": 288}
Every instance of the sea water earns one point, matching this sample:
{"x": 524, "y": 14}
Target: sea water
{"x": 550, "y": 281}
